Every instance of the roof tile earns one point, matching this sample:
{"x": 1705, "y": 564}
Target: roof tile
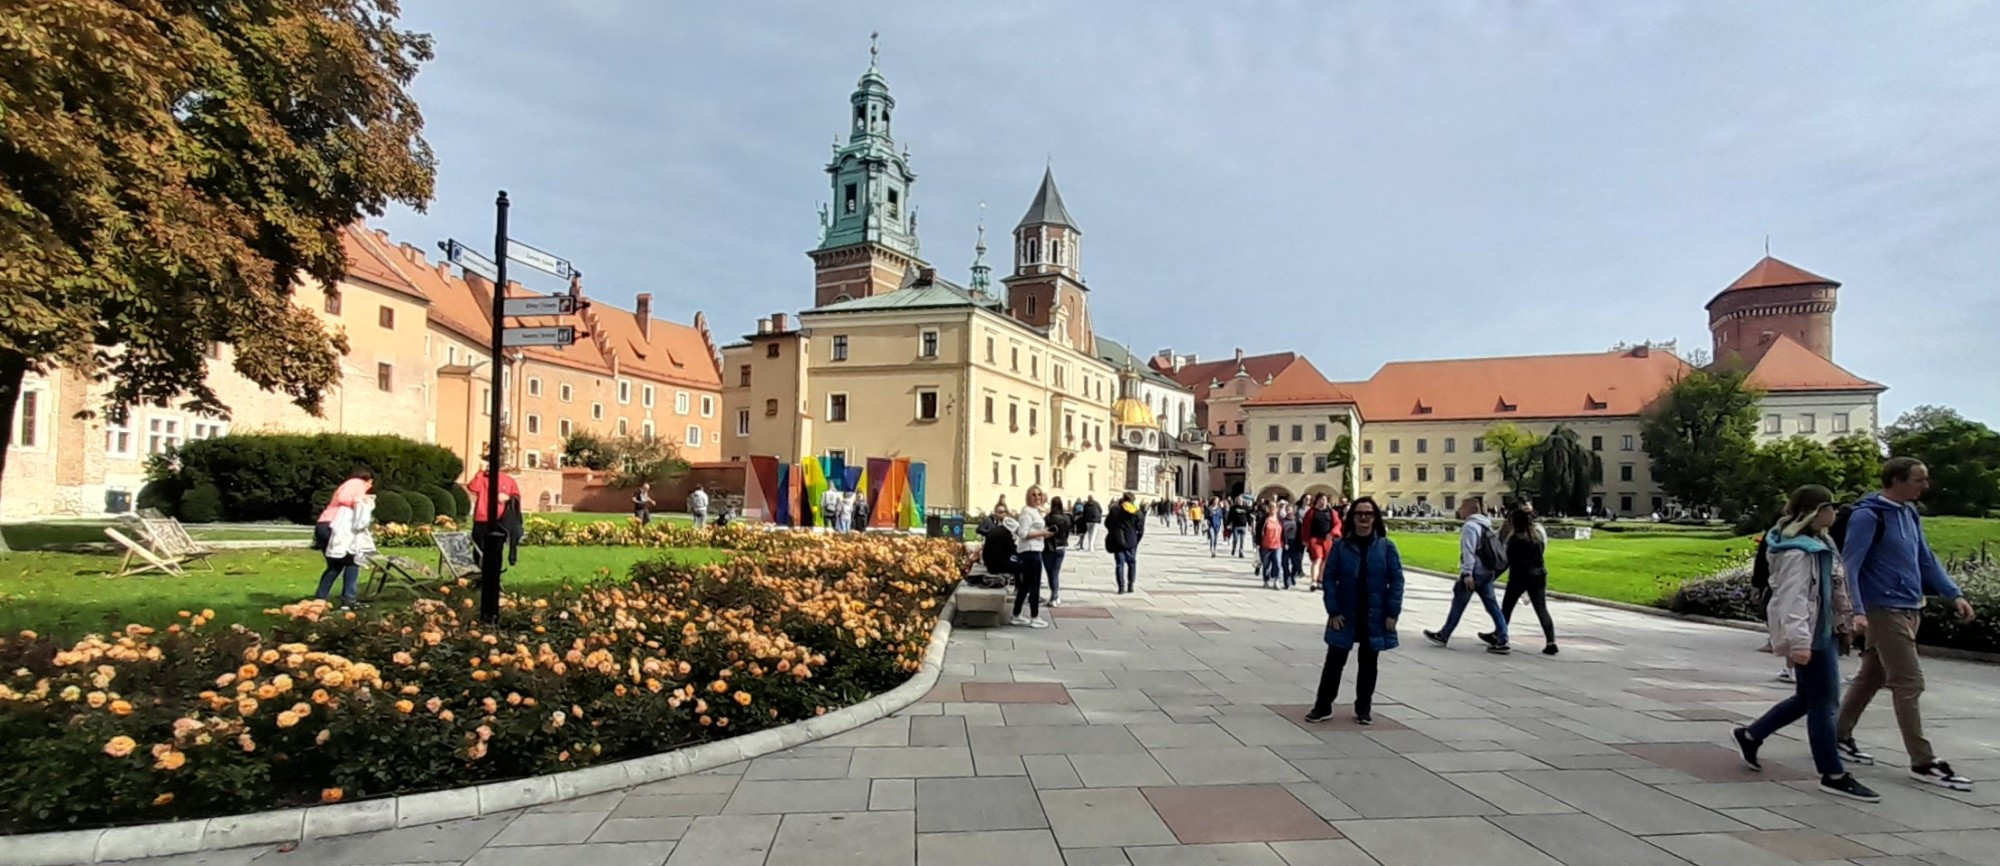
{"x": 1790, "y": 366}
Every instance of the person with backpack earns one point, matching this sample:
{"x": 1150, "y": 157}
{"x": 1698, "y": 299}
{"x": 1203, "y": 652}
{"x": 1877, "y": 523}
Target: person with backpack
{"x": 1089, "y": 515}
{"x": 1890, "y": 568}
{"x": 1059, "y": 526}
{"x": 1124, "y": 527}
{"x": 1292, "y": 557}
{"x": 1239, "y": 522}
{"x": 1481, "y": 558}
{"x": 1527, "y": 571}
{"x": 1270, "y": 538}
{"x": 1808, "y": 610}
{"x": 1321, "y": 528}
{"x": 1363, "y": 590}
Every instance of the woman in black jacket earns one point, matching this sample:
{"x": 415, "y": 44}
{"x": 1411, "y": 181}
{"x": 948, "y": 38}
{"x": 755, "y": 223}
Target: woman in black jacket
{"x": 1527, "y": 545}
{"x": 1053, "y": 549}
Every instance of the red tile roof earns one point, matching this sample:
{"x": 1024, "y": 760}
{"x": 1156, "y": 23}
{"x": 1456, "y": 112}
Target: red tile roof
{"x": 1614, "y": 383}
{"x": 1790, "y": 366}
{"x": 1300, "y": 384}
{"x": 1197, "y": 377}
{"x": 1770, "y": 273}
{"x": 370, "y": 257}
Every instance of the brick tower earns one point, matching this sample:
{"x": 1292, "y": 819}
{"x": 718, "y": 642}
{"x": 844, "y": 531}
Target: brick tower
{"x": 1770, "y": 300}
{"x": 1047, "y": 288}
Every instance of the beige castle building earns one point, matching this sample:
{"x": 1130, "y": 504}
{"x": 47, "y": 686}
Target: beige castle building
{"x": 1417, "y": 427}
{"x": 416, "y": 367}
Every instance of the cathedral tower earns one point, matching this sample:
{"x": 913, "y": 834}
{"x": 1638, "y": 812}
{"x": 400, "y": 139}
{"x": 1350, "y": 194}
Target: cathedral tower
{"x": 1773, "y": 299}
{"x": 1047, "y": 288}
{"x": 868, "y": 239}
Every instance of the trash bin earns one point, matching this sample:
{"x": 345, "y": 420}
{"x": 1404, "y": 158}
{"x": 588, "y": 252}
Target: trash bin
{"x": 117, "y": 501}
{"x": 933, "y": 526}
{"x": 955, "y": 527}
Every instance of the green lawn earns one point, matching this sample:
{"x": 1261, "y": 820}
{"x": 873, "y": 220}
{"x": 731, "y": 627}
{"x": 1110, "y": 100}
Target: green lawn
{"x": 68, "y": 594}
{"x": 599, "y": 517}
{"x": 1643, "y": 567}
{"x": 40, "y": 535}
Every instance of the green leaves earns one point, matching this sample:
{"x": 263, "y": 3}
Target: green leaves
{"x": 1963, "y": 457}
{"x": 1700, "y": 434}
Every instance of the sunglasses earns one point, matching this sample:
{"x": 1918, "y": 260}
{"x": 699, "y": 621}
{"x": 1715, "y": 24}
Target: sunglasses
{"x": 1360, "y": 514}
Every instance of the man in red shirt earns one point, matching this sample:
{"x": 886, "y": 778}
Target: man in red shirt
{"x": 482, "y": 522}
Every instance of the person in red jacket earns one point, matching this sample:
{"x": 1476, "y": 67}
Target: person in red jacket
{"x": 1270, "y": 539}
{"x": 1321, "y": 528}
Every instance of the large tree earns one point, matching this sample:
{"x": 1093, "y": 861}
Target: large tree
{"x": 1701, "y": 434}
{"x": 171, "y": 169}
{"x": 1963, "y": 457}
{"x": 1565, "y": 470}
{"x": 1515, "y": 449}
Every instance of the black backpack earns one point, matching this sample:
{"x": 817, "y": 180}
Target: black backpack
{"x": 1491, "y": 552}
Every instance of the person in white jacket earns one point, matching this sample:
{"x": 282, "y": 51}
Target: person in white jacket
{"x": 1808, "y": 603}
{"x": 351, "y": 539}
{"x": 1030, "y": 530}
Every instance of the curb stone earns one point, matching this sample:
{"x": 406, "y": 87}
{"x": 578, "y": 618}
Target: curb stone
{"x": 65, "y": 847}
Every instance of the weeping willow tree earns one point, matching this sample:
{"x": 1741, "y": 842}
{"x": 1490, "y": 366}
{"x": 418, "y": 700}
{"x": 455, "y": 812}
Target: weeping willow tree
{"x": 1565, "y": 471}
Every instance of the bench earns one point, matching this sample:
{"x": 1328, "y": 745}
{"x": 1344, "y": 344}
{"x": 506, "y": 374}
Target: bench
{"x": 455, "y": 560}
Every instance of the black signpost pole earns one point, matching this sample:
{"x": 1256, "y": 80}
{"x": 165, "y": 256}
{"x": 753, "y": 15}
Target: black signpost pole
{"x": 494, "y": 545}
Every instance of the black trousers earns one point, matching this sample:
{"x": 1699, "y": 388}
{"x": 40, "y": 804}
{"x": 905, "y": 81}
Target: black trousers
{"x": 1028, "y": 583}
{"x": 1536, "y": 588}
{"x": 1364, "y": 680}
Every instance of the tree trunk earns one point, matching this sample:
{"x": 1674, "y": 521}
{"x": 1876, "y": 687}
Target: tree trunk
{"x": 13, "y": 368}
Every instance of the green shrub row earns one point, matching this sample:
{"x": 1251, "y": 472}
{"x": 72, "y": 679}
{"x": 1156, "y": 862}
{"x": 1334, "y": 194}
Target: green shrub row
{"x": 1728, "y": 595}
{"x": 261, "y": 476}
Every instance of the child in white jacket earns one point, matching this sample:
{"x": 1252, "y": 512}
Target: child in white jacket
{"x": 352, "y": 538}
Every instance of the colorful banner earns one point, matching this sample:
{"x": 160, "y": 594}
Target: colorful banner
{"x": 781, "y": 501}
{"x": 760, "y": 496}
{"x": 916, "y": 498}
{"x": 878, "y": 483}
{"x": 853, "y": 479}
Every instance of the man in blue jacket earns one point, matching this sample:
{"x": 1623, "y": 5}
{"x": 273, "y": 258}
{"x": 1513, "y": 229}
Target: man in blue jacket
{"x": 1890, "y": 568}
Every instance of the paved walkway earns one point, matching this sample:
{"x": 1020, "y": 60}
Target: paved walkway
{"x": 1158, "y": 729}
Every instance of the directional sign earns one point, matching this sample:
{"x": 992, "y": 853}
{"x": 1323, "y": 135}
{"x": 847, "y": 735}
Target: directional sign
{"x": 538, "y": 260}
{"x": 471, "y": 260}
{"x": 551, "y": 305}
{"x": 559, "y": 336}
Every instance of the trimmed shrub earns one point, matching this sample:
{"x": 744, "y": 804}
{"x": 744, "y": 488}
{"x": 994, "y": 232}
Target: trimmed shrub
{"x": 442, "y": 503}
{"x": 201, "y": 504}
{"x": 1728, "y": 595}
{"x": 319, "y": 503}
{"x": 163, "y": 496}
{"x": 275, "y": 476}
{"x": 462, "y": 499}
{"x": 391, "y": 506}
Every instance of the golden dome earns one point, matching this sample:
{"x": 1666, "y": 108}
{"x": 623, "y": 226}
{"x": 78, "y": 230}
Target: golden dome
{"x": 1132, "y": 412}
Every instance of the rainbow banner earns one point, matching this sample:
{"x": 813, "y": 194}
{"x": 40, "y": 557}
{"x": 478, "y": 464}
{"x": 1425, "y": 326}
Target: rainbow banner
{"x": 815, "y": 487}
{"x": 781, "y": 499}
{"x": 916, "y": 498}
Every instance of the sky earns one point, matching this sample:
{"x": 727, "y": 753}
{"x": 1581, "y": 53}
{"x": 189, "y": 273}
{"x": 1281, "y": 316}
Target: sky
{"x": 1357, "y": 182}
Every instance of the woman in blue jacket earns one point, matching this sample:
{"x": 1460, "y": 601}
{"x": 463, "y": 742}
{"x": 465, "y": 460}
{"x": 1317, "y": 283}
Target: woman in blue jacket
{"x": 1363, "y": 588}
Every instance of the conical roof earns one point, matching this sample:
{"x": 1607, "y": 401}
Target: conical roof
{"x": 1048, "y": 206}
{"x": 1770, "y": 273}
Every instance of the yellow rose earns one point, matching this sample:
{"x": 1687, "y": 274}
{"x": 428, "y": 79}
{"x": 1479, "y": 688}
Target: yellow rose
{"x": 287, "y": 719}
{"x": 246, "y": 706}
{"x": 405, "y": 707}
{"x": 170, "y": 760}
{"x": 331, "y": 795}
{"x": 120, "y": 746}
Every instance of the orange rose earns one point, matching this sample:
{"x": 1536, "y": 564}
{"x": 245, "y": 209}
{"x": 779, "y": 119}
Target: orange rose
{"x": 331, "y": 795}
{"x": 170, "y": 760}
{"x": 121, "y": 708}
{"x": 405, "y": 707}
{"x": 120, "y": 746}
{"x": 163, "y": 799}
{"x": 742, "y": 699}
{"x": 246, "y": 706}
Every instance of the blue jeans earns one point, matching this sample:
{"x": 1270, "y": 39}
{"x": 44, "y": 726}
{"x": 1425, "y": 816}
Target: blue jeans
{"x": 1294, "y": 562}
{"x": 1460, "y": 595}
{"x": 349, "y": 574}
{"x": 1052, "y": 561}
{"x": 1816, "y": 699}
{"x": 1236, "y": 541}
{"x": 1125, "y": 567}
{"x": 1214, "y": 537}
{"x": 1267, "y": 564}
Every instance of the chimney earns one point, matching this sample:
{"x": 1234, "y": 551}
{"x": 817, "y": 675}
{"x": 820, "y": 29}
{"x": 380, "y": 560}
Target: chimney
{"x": 780, "y": 323}
{"x": 642, "y": 309}
{"x": 1239, "y": 354}
{"x": 1642, "y": 350}
{"x": 925, "y": 277}
{"x": 764, "y": 326}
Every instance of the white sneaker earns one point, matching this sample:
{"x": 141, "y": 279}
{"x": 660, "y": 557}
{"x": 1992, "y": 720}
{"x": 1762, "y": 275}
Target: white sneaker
{"x": 1785, "y": 676}
{"x": 1055, "y": 602}
{"x": 1019, "y": 620}
{"x": 1038, "y": 622}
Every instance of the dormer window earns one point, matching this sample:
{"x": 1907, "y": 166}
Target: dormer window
{"x": 1504, "y": 406}
{"x": 1590, "y": 402}
{"x": 1421, "y": 409}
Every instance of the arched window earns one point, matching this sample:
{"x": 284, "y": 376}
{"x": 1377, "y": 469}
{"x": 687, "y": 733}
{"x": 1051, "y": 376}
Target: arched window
{"x": 1034, "y": 250}
{"x": 1055, "y": 251}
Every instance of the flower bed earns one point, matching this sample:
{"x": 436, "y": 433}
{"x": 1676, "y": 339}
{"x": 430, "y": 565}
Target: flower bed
{"x": 198, "y": 718}
{"x": 613, "y": 532}
{"x": 1728, "y": 595}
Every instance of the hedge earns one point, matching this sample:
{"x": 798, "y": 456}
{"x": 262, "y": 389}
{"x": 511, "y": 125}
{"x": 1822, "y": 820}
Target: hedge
{"x": 1728, "y": 596}
{"x": 265, "y": 476}
{"x": 392, "y": 507}
{"x": 443, "y": 504}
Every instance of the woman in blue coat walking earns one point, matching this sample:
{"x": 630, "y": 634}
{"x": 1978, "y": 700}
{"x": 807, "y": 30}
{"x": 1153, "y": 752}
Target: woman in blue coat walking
{"x": 1363, "y": 588}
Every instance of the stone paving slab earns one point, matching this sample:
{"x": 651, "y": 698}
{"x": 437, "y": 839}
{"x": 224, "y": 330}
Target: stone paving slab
{"x": 1124, "y": 737}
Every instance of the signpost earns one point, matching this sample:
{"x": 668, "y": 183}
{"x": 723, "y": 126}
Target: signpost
{"x": 492, "y": 536}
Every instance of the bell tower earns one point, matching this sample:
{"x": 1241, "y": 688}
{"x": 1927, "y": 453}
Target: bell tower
{"x": 1048, "y": 270}
{"x": 868, "y": 237}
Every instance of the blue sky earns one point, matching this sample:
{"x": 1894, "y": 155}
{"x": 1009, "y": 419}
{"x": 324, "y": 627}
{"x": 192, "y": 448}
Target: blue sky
{"x": 1359, "y": 182}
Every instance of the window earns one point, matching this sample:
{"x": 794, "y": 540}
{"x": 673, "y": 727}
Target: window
{"x": 1271, "y": 433}
{"x": 1625, "y": 503}
{"x": 680, "y": 402}
{"x": 386, "y": 317}
{"x": 332, "y": 304}
{"x": 533, "y": 460}
{"x": 28, "y": 419}
{"x": 693, "y": 436}
{"x": 708, "y": 405}
{"x": 996, "y": 472}
{"x": 1298, "y": 432}
{"x": 836, "y": 407}
{"x": 1451, "y": 473}
{"x": 1625, "y": 442}
{"x": 1031, "y": 306}
{"x": 1319, "y": 432}
{"x": 451, "y": 354}
{"x": 1368, "y": 473}
{"x": 771, "y": 408}
{"x": 646, "y": 396}
{"x": 1221, "y": 428}
{"x": 562, "y": 427}
{"x": 1839, "y": 423}
{"x": 385, "y": 377}
{"x": 1034, "y": 419}
{"x": 1772, "y": 424}
{"x": 624, "y": 393}
{"x": 206, "y": 430}
{"x": 1058, "y": 373}
{"x": 1597, "y": 443}
{"x": 1298, "y": 464}
{"x": 1395, "y": 473}
{"x": 742, "y": 422}
{"x": 1274, "y": 464}
{"x": 1395, "y": 446}
{"x": 597, "y": 411}
{"x": 1013, "y": 416}
{"x": 117, "y": 437}
{"x": 1478, "y": 474}
{"x": 743, "y": 376}
{"x": 1013, "y": 474}
{"x": 989, "y": 408}
{"x": 1034, "y": 366}
{"x": 1319, "y": 462}
{"x": 840, "y": 347}
{"x": 1808, "y": 423}
{"x": 927, "y": 344}
{"x": 623, "y": 428}
{"x": 534, "y": 385}
{"x": 564, "y": 393}
{"x": 852, "y": 196}
{"x": 1478, "y": 445}
{"x": 836, "y": 454}
{"x": 927, "y": 404}
{"x": 1625, "y": 473}
{"x": 1367, "y": 446}
{"x": 161, "y": 433}
{"x": 771, "y": 350}
{"x": 1423, "y": 446}
{"x": 989, "y": 360}
{"x": 1423, "y": 473}
{"x": 486, "y": 401}
{"x": 534, "y": 423}
{"x": 1658, "y": 504}
{"x": 1450, "y": 445}
{"x": 1014, "y": 358}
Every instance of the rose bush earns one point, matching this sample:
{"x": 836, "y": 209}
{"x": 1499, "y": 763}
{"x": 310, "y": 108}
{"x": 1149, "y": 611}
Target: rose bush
{"x": 613, "y": 532}
{"x": 197, "y": 718}
{"x": 1728, "y": 595}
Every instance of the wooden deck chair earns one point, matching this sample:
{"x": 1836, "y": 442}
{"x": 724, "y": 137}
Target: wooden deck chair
{"x": 397, "y": 572}
{"x": 148, "y": 560}
{"x": 456, "y": 556}
{"x": 171, "y": 541}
